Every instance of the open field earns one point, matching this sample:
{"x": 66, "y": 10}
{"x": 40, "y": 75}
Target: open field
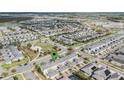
{"x": 31, "y": 54}
{"x": 82, "y": 75}
{"x": 45, "y": 46}
{"x": 37, "y": 71}
{"x": 18, "y": 77}
{"x": 7, "y": 66}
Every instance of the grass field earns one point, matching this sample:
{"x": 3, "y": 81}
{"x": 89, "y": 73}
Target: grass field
{"x": 29, "y": 53}
{"x": 18, "y": 77}
{"x": 82, "y": 75}
{"x": 45, "y": 46}
{"x": 38, "y": 71}
{"x": 42, "y": 77}
{"x": 0, "y": 34}
{"x": 7, "y": 66}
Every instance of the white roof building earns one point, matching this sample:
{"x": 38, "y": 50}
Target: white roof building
{"x": 52, "y": 69}
{"x": 101, "y": 74}
{"x": 11, "y": 54}
{"x": 89, "y": 69}
{"x": 109, "y": 24}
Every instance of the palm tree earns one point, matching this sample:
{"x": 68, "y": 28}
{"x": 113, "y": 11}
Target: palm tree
{"x": 1, "y": 46}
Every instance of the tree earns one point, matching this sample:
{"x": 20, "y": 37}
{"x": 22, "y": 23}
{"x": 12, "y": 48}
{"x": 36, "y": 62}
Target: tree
{"x": 4, "y": 74}
{"x": 13, "y": 43}
{"x": 35, "y": 51}
{"x": 29, "y": 45}
{"x": 0, "y": 53}
{"x": 18, "y": 44}
{"x": 59, "y": 49}
{"x": 15, "y": 78}
{"x": 110, "y": 60}
{"x": 1, "y": 46}
{"x": 79, "y": 55}
{"x": 13, "y": 70}
{"x": 98, "y": 30}
{"x": 37, "y": 67}
{"x": 82, "y": 49}
{"x": 85, "y": 58}
{"x": 45, "y": 53}
{"x": 55, "y": 47}
{"x": 70, "y": 50}
{"x": 18, "y": 60}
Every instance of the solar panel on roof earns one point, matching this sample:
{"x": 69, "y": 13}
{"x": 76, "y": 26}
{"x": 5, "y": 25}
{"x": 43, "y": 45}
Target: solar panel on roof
{"x": 107, "y": 72}
{"x": 121, "y": 78}
{"x": 93, "y": 68}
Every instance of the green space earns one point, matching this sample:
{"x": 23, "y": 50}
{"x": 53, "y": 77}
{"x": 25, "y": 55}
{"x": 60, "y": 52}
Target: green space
{"x": 78, "y": 44}
{"x": 86, "y": 56}
{"x": 31, "y": 54}
{"x": 82, "y": 75}
{"x": 115, "y": 18}
{"x": 18, "y": 77}
{"x": 86, "y": 62}
{"x": 39, "y": 72}
{"x": 7, "y": 66}
{"x": 45, "y": 46}
{"x": 0, "y": 34}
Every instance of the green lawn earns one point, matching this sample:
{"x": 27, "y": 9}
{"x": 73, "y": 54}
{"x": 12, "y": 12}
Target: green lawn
{"x": 0, "y": 34}
{"x": 41, "y": 76}
{"x": 29, "y": 53}
{"x": 77, "y": 45}
{"x": 45, "y": 46}
{"x": 7, "y": 66}
{"x": 18, "y": 77}
{"x": 82, "y": 75}
{"x": 39, "y": 72}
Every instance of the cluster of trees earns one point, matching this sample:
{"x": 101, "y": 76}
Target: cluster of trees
{"x": 70, "y": 50}
{"x": 38, "y": 69}
{"x": 4, "y": 74}
{"x": 13, "y": 70}
{"x": 29, "y": 45}
{"x": 11, "y": 18}
{"x": 15, "y": 78}
{"x": 1, "y": 46}
{"x": 115, "y": 18}
{"x": 82, "y": 76}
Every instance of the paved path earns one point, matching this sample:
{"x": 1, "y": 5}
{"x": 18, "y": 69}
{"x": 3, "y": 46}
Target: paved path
{"x": 28, "y": 67}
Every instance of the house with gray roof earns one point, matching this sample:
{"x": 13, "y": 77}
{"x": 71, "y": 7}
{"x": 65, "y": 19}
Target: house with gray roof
{"x": 109, "y": 43}
{"x": 11, "y": 54}
{"x": 114, "y": 76}
{"x": 53, "y": 69}
{"x": 101, "y": 74}
{"x": 89, "y": 69}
